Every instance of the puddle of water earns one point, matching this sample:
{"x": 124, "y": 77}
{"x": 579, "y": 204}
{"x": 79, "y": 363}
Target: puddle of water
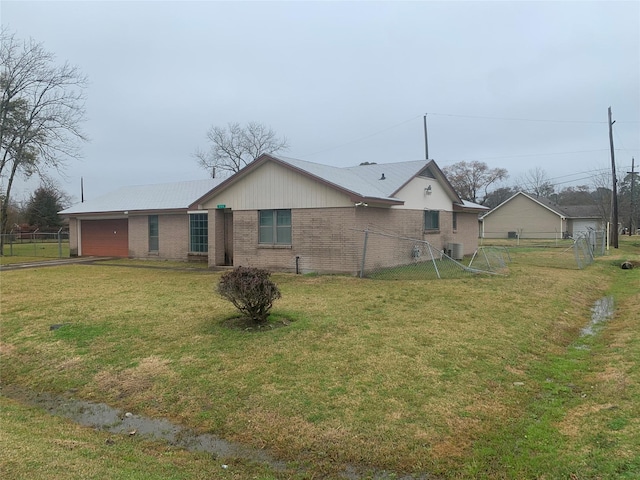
{"x": 601, "y": 311}
{"x": 102, "y": 416}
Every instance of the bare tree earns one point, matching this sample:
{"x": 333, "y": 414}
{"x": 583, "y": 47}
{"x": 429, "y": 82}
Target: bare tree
{"x": 235, "y": 146}
{"x": 41, "y": 109}
{"x": 472, "y": 179}
{"x": 535, "y": 182}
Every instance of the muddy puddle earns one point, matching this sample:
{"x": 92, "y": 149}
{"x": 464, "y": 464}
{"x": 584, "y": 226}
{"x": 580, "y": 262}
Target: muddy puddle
{"x": 601, "y": 311}
{"x": 103, "y": 417}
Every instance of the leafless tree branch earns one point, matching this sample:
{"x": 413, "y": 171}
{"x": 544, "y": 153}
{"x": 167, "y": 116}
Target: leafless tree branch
{"x": 41, "y": 111}
{"x": 235, "y": 146}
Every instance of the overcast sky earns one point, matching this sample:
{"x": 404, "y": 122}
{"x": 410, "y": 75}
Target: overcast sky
{"x": 517, "y": 85}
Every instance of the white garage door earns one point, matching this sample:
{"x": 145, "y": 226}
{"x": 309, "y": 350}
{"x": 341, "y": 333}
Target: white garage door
{"x": 581, "y": 226}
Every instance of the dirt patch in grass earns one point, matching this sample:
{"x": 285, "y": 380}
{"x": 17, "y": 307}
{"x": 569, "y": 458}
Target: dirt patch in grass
{"x": 7, "y": 349}
{"x": 246, "y": 324}
{"x": 136, "y": 381}
{"x": 573, "y": 423}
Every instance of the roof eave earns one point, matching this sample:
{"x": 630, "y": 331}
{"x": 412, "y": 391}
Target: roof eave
{"x": 146, "y": 211}
{"x": 457, "y": 207}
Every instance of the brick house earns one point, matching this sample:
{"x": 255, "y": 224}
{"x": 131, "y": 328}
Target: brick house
{"x": 128, "y": 222}
{"x": 287, "y": 214}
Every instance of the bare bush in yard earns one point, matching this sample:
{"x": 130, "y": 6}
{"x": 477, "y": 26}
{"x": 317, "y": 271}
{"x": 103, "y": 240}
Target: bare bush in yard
{"x": 251, "y": 291}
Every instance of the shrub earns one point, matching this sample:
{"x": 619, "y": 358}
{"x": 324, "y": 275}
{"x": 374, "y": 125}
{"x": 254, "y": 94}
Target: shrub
{"x": 250, "y": 290}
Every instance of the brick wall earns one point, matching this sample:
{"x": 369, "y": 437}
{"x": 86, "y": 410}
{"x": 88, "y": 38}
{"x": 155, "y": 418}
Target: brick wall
{"x": 173, "y": 241}
{"x": 331, "y": 240}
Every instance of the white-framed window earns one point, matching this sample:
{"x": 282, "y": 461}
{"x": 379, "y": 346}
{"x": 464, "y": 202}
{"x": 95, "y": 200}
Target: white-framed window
{"x": 198, "y": 232}
{"x": 153, "y": 233}
{"x": 274, "y": 227}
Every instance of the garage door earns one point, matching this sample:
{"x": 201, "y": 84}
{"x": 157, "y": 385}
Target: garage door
{"x": 580, "y": 227}
{"x": 105, "y": 238}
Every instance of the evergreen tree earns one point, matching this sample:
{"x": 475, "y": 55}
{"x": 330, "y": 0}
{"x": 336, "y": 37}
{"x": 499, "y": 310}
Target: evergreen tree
{"x": 43, "y": 207}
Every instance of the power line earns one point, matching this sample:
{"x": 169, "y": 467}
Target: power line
{"x": 364, "y": 137}
{"x": 483, "y": 117}
{"x": 541, "y": 154}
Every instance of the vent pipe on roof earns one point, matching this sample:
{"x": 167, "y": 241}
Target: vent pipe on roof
{"x": 382, "y": 177}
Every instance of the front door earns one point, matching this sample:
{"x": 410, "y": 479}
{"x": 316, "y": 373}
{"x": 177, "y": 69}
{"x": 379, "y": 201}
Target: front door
{"x": 228, "y": 238}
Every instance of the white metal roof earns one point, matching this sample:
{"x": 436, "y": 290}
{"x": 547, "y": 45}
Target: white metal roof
{"x": 164, "y": 196}
{"x": 364, "y": 180}
{"x": 468, "y": 204}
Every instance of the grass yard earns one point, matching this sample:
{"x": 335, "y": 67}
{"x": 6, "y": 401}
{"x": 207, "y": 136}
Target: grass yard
{"x": 25, "y": 252}
{"x": 479, "y": 377}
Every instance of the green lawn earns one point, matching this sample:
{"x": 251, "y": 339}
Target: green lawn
{"x": 478, "y": 377}
{"x": 25, "y": 252}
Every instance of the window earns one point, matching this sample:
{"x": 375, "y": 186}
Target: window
{"x": 153, "y": 233}
{"x": 431, "y": 220}
{"x": 199, "y": 232}
{"x": 455, "y": 221}
{"x": 275, "y": 227}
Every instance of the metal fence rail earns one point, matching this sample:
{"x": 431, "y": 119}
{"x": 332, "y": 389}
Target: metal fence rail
{"x": 393, "y": 257}
{"x": 36, "y": 244}
{"x": 493, "y": 259}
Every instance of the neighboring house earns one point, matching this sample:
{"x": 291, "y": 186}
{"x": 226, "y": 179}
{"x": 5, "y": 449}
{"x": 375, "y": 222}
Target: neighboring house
{"x": 527, "y": 216}
{"x": 286, "y": 214}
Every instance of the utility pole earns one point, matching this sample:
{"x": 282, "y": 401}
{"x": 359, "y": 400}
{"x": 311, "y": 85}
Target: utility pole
{"x": 426, "y": 141}
{"x": 614, "y": 194}
{"x": 633, "y": 179}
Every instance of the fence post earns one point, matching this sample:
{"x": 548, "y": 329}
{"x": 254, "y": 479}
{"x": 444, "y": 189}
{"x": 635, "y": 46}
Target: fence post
{"x": 60, "y": 243}
{"x": 364, "y": 252}
{"x": 433, "y": 259}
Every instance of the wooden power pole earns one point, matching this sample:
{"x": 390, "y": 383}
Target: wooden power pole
{"x": 426, "y": 139}
{"x": 614, "y": 193}
{"x": 633, "y": 178}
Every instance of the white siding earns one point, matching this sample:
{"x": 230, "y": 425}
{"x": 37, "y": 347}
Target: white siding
{"x": 272, "y": 186}
{"x": 415, "y": 198}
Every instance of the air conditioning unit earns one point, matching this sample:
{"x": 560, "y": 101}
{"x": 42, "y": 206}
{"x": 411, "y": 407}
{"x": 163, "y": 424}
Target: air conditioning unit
{"x": 457, "y": 250}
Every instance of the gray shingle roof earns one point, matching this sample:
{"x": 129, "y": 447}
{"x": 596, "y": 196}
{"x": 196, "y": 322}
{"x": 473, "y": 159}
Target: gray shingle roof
{"x": 164, "y": 196}
{"x": 569, "y": 211}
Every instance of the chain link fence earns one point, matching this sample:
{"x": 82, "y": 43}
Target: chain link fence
{"x": 37, "y": 244}
{"x": 570, "y": 253}
{"x": 588, "y": 246}
{"x": 393, "y": 257}
{"x": 492, "y": 259}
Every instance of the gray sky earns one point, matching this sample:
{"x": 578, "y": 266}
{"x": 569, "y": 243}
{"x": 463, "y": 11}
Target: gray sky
{"x": 515, "y": 84}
